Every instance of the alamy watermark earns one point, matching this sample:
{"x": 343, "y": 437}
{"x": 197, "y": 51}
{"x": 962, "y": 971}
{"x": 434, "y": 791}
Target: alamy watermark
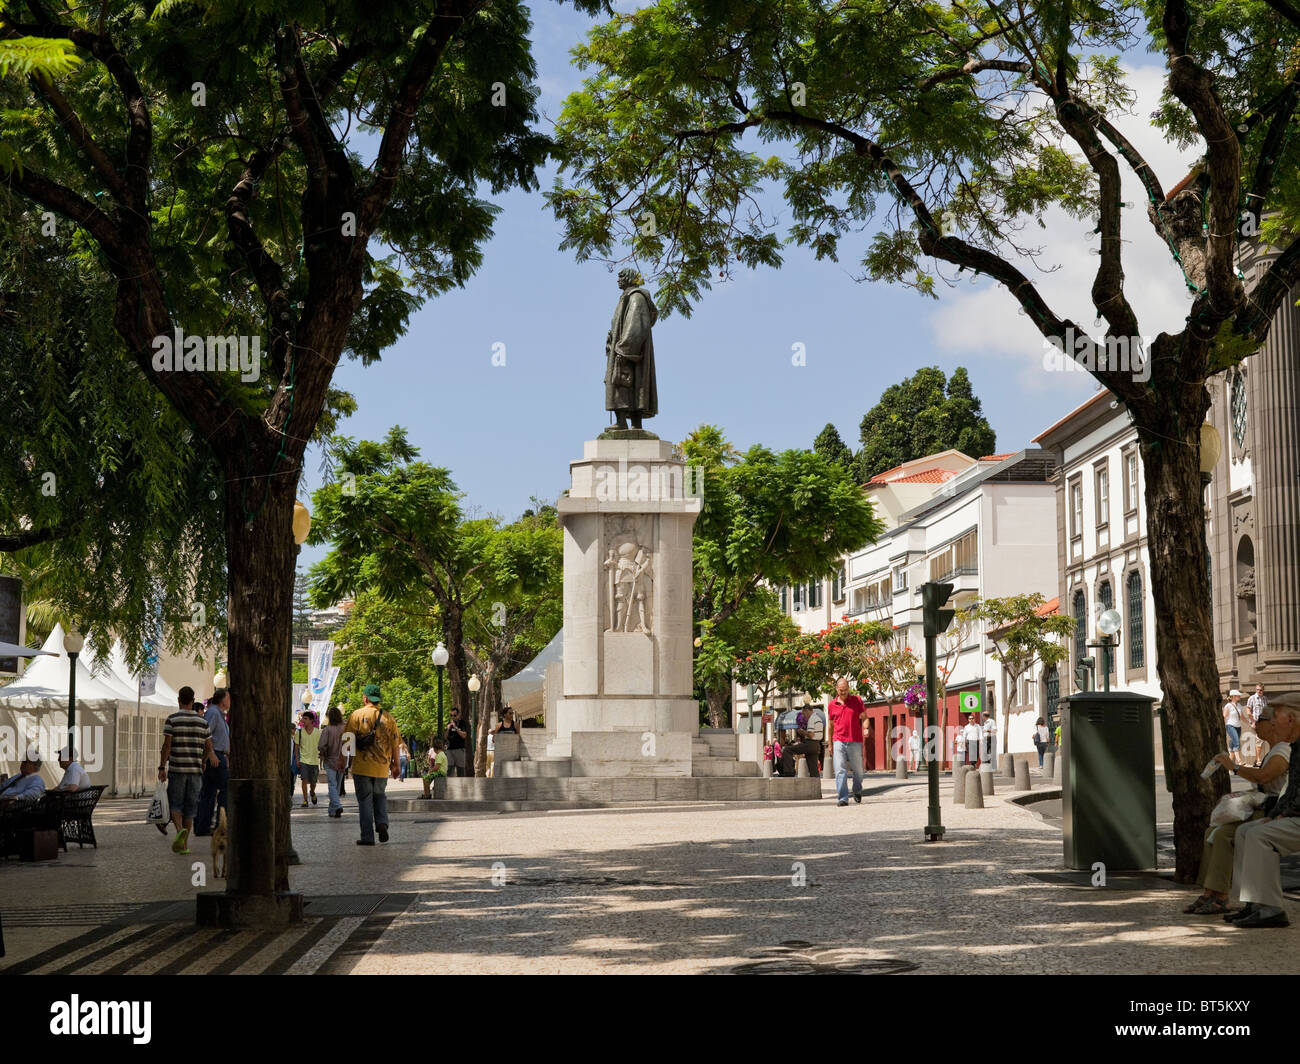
{"x": 179, "y": 353}
{"x": 624, "y": 481}
{"x": 1081, "y": 353}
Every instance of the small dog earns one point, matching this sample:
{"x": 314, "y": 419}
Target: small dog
{"x": 220, "y": 839}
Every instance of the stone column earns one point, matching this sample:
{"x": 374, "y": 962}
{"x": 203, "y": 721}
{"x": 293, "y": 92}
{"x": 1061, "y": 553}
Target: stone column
{"x": 628, "y": 628}
{"x": 1274, "y": 427}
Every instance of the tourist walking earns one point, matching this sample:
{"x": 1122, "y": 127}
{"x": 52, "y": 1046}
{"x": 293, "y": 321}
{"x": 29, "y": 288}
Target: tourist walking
{"x": 403, "y": 759}
{"x": 1232, "y": 722}
{"x": 186, "y": 749}
{"x": 307, "y": 743}
{"x": 1260, "y": 844}
{"x": 1215, "y": 875}
{"x": 1041, "y": 736}
{"x": 972, "y": 735}
{"x": 216, "y": 778}
{"x": 456, "y": 736}
{"x": 848, "y": 732}
{"x": 375, "y": 740}
{"x": 330, "y": 751}
{"x": 1255, "y": 706}
{"x": 990, "y": 727}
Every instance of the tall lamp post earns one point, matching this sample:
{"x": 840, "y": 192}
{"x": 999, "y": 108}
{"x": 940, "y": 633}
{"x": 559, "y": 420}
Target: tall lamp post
{"x": 920, "y": 755}
{"x": 440, "y": 662}
{"x": 474, "y": 685}
{"x": 72, "y": 643}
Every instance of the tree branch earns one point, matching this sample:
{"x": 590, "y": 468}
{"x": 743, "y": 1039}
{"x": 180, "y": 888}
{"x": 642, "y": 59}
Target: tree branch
{"x": 11, "y": 543}
{"x": 975, "y": 66}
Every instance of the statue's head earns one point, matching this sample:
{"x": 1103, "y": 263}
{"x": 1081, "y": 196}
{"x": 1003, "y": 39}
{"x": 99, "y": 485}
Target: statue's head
{"x": 629, "y": 278}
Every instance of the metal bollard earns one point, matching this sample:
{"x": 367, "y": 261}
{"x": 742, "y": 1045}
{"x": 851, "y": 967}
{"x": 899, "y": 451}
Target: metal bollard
{"x": 1022, "y": 776}
{"x": 959, "y": 783}
{"x": 974, "y": 795}
{"x": 767, "y": 770}
{"x": 986, "y": 779}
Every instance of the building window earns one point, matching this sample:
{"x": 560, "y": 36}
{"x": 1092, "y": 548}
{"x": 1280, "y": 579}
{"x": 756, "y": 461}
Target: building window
{"x": 798, "y": 597}
{"x": 1051, "y": 694}
{"x": 1238, "y": 403}
{"x": 900, "y": 578}
{"x": 1106, "y": 601}
{"x": 1136, "y": 621}
{"x": 1076, "y": 509}
{"x": 837, "y": 586}
{"x": 959, "y": 558}
{"x": 1130, "y": 482}
{"x": 814, "y": 594}
{"x": 1103, "y": 495}
{"x": 785, "y": 599}
{"x": 1080, "y": 627}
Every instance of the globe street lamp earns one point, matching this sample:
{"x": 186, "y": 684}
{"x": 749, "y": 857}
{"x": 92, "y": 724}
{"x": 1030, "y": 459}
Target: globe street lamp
{"x": 1108, "y": 624}
{"x": 474, "y": 684}
{"x": 440, "y": 662}
{"x": 72, "y": 643}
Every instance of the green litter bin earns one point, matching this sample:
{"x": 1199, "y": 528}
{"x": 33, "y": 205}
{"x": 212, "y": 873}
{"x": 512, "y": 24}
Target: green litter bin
{"x": 1108, "y": 781}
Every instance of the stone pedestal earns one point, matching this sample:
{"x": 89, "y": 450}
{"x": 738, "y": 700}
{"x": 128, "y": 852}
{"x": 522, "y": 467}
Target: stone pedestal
{"x": 628, "y": 585}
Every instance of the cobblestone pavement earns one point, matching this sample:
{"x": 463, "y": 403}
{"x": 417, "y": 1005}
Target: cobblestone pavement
{"x": 716, "y": 887}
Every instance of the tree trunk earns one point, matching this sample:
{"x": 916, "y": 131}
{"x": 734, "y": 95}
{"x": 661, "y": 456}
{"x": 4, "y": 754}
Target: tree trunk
{"x": 487, "y": 705}
{"x": 1180, "y": 588}
{"x": 457, "y": 663}
{"x": 716, "y": 697}
{"x": 261, "y": 556}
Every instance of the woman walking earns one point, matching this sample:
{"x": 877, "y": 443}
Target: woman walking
{"x": 1041, "y": 736}
{"x": 330, "y": 750}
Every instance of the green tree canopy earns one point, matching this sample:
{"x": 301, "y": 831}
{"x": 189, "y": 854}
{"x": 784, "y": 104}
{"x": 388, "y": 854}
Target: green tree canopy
{"x": 830, "y": 446}
{"x": 923, "y": 414}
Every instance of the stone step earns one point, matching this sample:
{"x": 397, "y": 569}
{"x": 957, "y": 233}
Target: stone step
{"x": 550, "y": 766}
{"x": 722, "y": 745}
{"x": 475, "y": 792}
{"x": 714, "y": 767}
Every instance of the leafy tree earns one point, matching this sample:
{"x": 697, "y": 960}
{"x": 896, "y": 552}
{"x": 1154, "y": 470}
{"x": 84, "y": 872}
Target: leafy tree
{"x": 924, "y": 414}
{"x": 829, "y": 445}
{"x": 774, "y": 518}
{"x": 271, "y": 172}
{"x": 302, "y": 619}
{"x": 1021, "y": 637}
{"x": 758, "y": 622}
{"x": 944, "y": 130}
{"x": 396, "y": 528}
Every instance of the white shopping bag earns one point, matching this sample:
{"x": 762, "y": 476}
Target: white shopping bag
{"x": 159, "y": 813}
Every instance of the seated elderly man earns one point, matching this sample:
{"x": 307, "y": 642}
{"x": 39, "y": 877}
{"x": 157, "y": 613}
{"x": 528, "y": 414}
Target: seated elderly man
{"x": 1217, "y": 853}
{"x": 74, "y": 776}
{"x": 1260, "y": 844}
{"x": 27, "y": 786}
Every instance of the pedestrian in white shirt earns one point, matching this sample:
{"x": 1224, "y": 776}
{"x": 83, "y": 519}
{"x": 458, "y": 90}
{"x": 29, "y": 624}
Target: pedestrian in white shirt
{"x": 1256, "y": 705}
{"x": 1232, "y": 714}
{"x": 74, "y": 776}
{"x": 972, "y": 734}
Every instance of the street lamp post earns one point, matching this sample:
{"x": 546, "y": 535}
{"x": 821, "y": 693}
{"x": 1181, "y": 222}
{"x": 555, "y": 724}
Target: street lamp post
{"x": 440, "y": 662}
{"x": 474, "y": 684}
{"x": 920, "y": 750}
{"x": 301, "y": 526}
{"x": 72, "y": 643}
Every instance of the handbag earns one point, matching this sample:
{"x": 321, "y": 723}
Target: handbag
{"x": 159, "y": 811}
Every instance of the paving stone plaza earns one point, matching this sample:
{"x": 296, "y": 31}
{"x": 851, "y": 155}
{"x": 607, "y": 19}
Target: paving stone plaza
{"x": 773, "y": 887}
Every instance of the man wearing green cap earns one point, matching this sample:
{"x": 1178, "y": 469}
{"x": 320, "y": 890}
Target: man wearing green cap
{"x": 373, "y": 737}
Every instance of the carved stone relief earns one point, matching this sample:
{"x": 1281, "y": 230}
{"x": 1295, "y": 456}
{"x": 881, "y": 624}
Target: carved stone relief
{"x": 629, "y": 574}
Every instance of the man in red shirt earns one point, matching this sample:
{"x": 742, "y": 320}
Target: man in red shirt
{"x": 848, "y": 730}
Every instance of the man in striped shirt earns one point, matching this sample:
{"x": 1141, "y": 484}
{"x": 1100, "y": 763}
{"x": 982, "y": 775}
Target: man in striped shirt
{"x": 187, "y": 747}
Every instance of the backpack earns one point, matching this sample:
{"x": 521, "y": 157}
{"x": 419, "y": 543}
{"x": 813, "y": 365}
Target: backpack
{"x": 366, "y": 741}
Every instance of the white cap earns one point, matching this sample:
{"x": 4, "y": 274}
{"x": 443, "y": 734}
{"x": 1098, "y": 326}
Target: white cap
{"x": 1234, "y": 691}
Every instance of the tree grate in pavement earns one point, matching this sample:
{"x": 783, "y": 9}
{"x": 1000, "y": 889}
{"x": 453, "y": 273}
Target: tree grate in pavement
{"x": 335, "y": 934}
{"x": 797, "y": 957}
{"x": 66, "y": 915}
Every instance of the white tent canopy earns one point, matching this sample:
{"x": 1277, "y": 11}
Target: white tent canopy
{"x": 34, "y": 709}
{"x": 523, "y": 691}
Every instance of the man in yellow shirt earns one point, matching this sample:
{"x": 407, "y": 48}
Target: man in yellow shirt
{"x": 372, "y": 737}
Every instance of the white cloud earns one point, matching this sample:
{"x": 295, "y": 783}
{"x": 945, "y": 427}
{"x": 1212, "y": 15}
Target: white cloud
{"x": 984, "y": 320}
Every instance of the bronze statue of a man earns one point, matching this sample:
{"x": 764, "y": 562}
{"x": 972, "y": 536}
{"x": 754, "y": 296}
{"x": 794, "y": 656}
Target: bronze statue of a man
{"x": 630, "y": 354}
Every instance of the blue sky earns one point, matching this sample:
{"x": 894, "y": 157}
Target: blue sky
{"x": 508, "y": 432}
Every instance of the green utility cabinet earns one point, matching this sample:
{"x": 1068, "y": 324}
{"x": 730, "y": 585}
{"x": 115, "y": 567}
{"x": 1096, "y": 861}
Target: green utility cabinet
{"x": 1108, "y": 780}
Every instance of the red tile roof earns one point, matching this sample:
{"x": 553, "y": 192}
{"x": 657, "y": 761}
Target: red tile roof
{"x": 928, "y": 476}
{"x": 997, "y": 457}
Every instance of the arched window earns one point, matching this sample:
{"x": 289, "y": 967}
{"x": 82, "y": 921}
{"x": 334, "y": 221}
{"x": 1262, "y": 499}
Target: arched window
{"x": 1106, "y": 601}
{"x": 1080, "y": 627}
{"x": 1137, "y": 655}
{"x": 1051, "y": 694}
